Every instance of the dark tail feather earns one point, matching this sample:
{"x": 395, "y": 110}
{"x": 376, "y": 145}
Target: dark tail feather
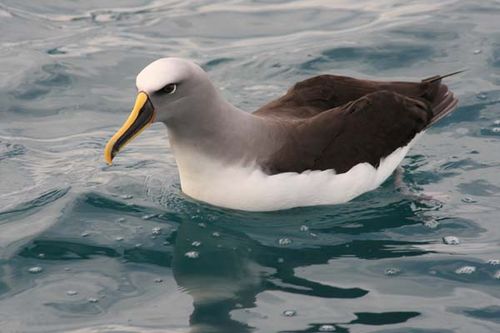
{"x": 440, "y": 77}
{"x": 441, "y": 99}
{"x": 447, "y": 105}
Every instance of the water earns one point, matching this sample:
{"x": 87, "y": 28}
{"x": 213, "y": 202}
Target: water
{"x": 89, "y": 248}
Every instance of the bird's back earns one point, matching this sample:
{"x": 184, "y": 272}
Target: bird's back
{"x": 321, "y": 93}
{"x": 337, "y": 122}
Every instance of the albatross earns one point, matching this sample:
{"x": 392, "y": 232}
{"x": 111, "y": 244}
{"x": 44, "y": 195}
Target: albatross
{"x": 326, "y": 141}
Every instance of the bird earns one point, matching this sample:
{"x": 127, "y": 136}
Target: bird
{"x": 326, "y": 141}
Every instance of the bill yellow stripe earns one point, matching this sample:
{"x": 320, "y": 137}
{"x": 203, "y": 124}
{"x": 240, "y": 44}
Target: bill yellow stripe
{"x": 140, "y": 101}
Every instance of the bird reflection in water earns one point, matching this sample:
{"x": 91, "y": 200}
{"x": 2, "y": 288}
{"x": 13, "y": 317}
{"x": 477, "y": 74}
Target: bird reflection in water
{"x": 238, "y": 261}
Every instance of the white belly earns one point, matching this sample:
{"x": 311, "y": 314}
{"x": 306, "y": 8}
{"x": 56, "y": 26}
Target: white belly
{"x": 250, "y": 189}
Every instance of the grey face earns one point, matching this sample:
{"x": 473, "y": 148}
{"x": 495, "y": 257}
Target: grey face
{"x": 177, "y": 88}
{"x": 169, "y": 101}
{"x": 171, "y": 90}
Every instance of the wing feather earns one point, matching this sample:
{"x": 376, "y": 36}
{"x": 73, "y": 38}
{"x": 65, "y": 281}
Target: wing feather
{"x": 336, "y": 122}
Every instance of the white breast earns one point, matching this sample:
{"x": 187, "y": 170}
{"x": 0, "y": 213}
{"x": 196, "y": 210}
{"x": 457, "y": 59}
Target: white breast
{"x": 248, "y": 188}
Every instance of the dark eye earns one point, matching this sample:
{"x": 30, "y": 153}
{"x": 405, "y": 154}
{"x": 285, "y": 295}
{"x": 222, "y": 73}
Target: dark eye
{"x": 169, "y": 88}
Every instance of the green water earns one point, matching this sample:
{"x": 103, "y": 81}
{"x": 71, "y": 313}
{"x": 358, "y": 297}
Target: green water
{"x": 89, "y": 248}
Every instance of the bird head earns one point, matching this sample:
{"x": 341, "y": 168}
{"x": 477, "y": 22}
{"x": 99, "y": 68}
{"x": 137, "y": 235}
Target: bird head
{"x": 170, "y": 90}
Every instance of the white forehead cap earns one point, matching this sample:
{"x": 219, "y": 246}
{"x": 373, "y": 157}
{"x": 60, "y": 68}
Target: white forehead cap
{"x": 164, "y": 71}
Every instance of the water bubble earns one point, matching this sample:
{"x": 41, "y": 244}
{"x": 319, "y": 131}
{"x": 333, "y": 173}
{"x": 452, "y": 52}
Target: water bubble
{"x": 326, "y": 328}
{"x": 392, "y": 271}
{"x": 451, "y": 240}
{"x": 468, "y": 200}
{"x": 289, "y": 313}
{"x": 118, "y": 238}
{"x": 192, "y": 254}
{"x": 494, "y": 262}
{"x": 85, "y": 234}
{"x": 126, "y": 196}
{"x": 481, "y": 96}
{"x": 497, "y": 275}
{"x": 156, "y": 231}
{"x": 35, "y": 269}
{"x": 466, "y": 270}
{"x": 478, "y": 51}
{"x": 71, "y": 292}
{"x": 284, "y": 241}
{"x": 92, "y": 300}
{"x": 304, "y": 228}
{"x": 158, "y": 280}
{"x": 215, "y": 234}
{"x": 196, "y": 243}
{"x": 431, "y": 224}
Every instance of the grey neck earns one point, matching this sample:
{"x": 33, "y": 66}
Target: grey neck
{"x": 224, "y": 132}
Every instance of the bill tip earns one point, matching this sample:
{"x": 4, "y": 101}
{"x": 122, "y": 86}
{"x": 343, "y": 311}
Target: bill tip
{"x": 108, "y": 159}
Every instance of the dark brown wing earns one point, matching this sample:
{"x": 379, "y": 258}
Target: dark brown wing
{"x": 321, "y": 93}
{"x": 365, "y": 130}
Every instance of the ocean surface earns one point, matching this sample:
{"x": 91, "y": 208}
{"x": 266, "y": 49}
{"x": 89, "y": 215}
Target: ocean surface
{"x": 86, "y": 247}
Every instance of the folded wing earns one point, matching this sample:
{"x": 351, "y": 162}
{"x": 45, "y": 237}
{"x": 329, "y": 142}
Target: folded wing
{"x": 362, "y": 130}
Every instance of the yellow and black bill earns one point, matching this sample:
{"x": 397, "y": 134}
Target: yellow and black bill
{"x": 142, "y": 116}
